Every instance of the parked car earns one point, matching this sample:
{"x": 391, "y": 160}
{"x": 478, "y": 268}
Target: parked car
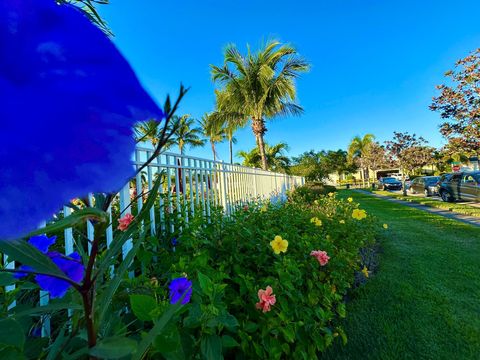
{"x": 426, "y": 185}
{"x": 460, "y": 186}
{"x": 389, "y": 183}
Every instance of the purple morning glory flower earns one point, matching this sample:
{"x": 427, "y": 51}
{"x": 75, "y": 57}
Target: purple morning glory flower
{"x": 178, "y": 287}
{"x": 69, "y": 102}
{"x": 70, "y": 265}
{"x": 174, "y": 242}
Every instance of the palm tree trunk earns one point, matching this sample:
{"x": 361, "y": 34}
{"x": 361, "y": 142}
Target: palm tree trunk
{"x": 213, "y": 151}
{"x": 259, "y": 130}
{"x": 180, "y": 147}
{"x": 231, "y": 150}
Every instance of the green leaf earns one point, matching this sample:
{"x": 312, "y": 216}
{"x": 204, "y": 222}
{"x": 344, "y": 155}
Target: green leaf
{"x": 22, "y": 251}
{"x": 114, "y": 348}
{"x": 105, "y": 299}
{"x": 156, "y": 330}
{"x": 11, "y": 333}
{"x": 11, "y": 353}
{"x": 76, "y": 217}
{"x": 49, "y": 308}
{"x": 142, "y": 306}
{"x": 205, "y": 284}
{"x": 6, "y": 279}
{"x": 229, "y": 342}
{"x": 211, "y": 347}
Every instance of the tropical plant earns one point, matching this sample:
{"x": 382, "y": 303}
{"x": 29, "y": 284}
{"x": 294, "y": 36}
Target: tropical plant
{"x": 276, "y": 158}
{"x": 148, "y": 131}
{"x": 185, "y": 133}
{"x": 213, "y": 131}
{"x": 357, "y": 150}
{"x": 259, "y": 86}
{"x": 459, "y": 105}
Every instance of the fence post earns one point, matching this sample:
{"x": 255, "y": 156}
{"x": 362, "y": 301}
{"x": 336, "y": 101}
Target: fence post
{"x": 224, "y": 189}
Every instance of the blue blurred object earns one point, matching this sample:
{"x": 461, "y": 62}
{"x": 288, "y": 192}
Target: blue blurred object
{"x": 69, "y": 102}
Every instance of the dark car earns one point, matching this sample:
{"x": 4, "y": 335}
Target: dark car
{"x": 389, "y": 183}
{"x": 426, "y": 185}
{"x": 460, "y": 186}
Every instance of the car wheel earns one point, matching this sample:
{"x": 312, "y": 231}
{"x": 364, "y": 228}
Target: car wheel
{"x": 446, "y": 196}
{"x": 427, "y": 193}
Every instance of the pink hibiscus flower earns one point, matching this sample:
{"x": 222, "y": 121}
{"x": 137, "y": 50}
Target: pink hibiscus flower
{"x": 124, "y": 222}
{"x": 266, "y": 299}
{"x": 321, "y": 256}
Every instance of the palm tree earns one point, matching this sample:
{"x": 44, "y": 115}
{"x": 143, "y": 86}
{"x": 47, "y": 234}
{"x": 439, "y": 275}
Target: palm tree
{"x": 260, "y": 85}
{"x": 148, "y": 131}
{"x": 357, "y": 150}
{"x": 276, "y": 158}
{"x": 185, "y": 133}
{"x": 213, "y": 131}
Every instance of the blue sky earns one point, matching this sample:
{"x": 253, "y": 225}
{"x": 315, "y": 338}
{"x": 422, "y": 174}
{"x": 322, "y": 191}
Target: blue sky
{"x": 375, "y": 64}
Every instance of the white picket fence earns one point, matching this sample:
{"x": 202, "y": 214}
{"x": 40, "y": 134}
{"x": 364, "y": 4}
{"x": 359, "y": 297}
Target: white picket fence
{"x": 190, "y": 184}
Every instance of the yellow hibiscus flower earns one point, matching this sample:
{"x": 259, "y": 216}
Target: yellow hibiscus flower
{"x": 342, "y": 221}
{"x": 350, "y": 199}
{"x": 264, "y": 208}
{"x": 359, "y": 214}
{"x": 365, "y": 271}
{"x": 316, "y": 221}
{"x": 385, "y": 226}
{"x": 279, "y": 245}
{"x": 331, "y": 194}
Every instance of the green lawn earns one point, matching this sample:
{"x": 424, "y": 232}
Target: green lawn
{"x": 424, "y": 301}
{"x": 459, "y": 207}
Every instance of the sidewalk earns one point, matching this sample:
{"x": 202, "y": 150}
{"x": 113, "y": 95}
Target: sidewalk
{"x": 471, "y": 220}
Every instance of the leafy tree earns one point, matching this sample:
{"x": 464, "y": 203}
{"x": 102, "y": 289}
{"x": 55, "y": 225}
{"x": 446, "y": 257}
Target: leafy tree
{"x": 375, "y": 157}
{"x": 408, "y": 152}
{"x": 357, "y": 150}
{"x": 185, "y": 133}
{"x": 259, "y": 86}
{"x": 213, "y": 131}
{"x": 90, "y": 10}
{"x": 459, "y": 104}
{"x": 317, "y": 166}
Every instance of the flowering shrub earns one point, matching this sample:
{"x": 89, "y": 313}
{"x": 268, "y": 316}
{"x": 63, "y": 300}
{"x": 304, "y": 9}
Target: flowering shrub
{"x": 250, "y": 302}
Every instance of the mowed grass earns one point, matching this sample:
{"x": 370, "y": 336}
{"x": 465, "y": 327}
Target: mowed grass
{"x": 459, "y": 207}
{"x": 424, "y": 300}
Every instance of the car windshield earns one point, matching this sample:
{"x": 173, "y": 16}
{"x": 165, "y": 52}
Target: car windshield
{"x": 390, "y": 180}
{"x": 432, "y": 180}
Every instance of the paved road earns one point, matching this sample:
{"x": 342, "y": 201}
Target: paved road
{"x": 472, "y": 220}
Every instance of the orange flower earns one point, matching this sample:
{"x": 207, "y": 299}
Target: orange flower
{"x": 124, "y": 222}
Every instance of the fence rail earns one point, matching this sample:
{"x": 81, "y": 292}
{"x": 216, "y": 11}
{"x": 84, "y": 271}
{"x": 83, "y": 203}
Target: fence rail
{"x": 189, "y": 185}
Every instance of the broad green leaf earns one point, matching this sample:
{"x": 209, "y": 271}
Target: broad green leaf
{"x": 76, "y": 217}
{"x": 155, "y": 331}
{"x": 229, "y": 342}
{"x": 11, "y": 353}
{"x": 142, "y": 306}
{"x": 22, "y": 251}
{"x": 205, "y": 284}
{"x": 211, "y": 347}
{"x": 114, "y": 348}
{"x": 56, "y": 347}
{"x": 11, "y": 333}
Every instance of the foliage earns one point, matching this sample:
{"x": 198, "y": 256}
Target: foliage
{"x": 317, "y": 166}
{"x": 213, "y": 131}
{"x": 276, "y": 159}
{"x": 259, "y": 85}
{"x": 374, "y": 156}
{"x": 185, "y": 133}
{"x": 408, "y": 151}
{"x": 230, "y": 259}
{"x": 459, "y": 104}
{"x": 357, "y": 151}
{"x": 311, "y": 191}
{"x": 89, "y": 7}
